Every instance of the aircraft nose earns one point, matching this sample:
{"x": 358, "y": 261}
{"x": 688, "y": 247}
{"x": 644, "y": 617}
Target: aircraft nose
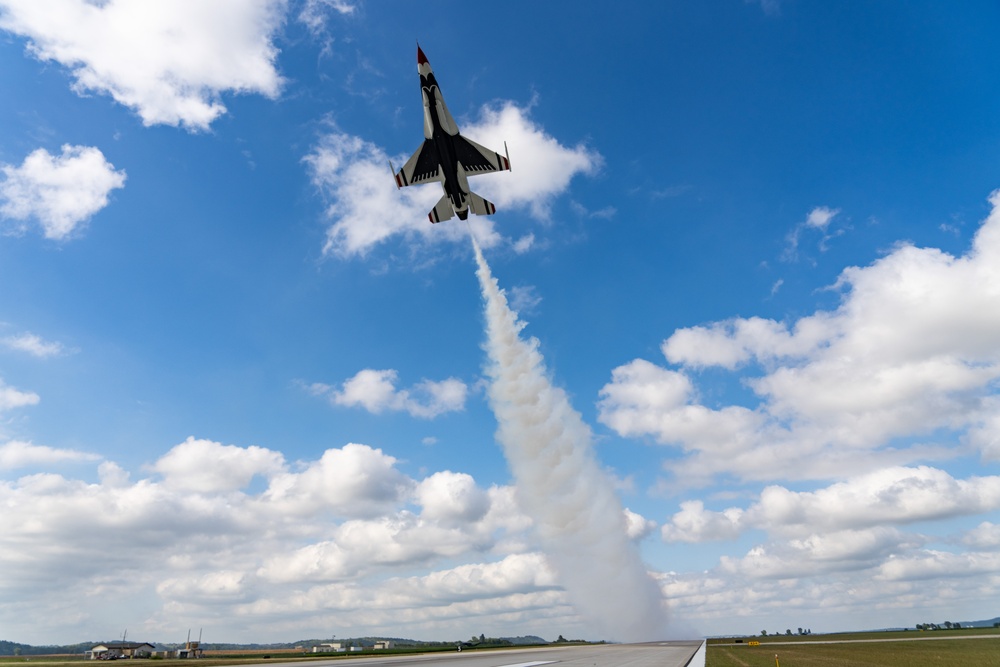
{"x": 421, "y": 58}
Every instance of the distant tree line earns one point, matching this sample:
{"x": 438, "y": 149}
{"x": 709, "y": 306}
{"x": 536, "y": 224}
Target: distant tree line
{"x": 947, "y": 625}
{"x": 14, "y": 648}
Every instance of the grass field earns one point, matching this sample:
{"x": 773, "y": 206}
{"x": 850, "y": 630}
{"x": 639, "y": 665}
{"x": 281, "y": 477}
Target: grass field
{"x": 906, "y": 653}
{"x": 225, "y": 658}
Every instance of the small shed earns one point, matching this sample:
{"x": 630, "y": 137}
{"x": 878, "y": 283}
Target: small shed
{"x": 190, "y": 650}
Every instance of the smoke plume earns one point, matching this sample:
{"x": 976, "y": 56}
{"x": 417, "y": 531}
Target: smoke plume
{"x": 578, "y": 517}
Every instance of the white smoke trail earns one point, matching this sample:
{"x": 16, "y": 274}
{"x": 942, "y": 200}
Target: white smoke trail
{"x": 578, "y": 516}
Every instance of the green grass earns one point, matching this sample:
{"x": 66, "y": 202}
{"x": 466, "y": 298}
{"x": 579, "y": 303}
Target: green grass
{"x": 893, "y": 634}
{"x": 221, "y": 659}
{"x": 936, "y": 653}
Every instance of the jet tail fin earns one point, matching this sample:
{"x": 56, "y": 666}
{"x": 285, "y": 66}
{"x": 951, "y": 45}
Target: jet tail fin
{"x": 480, "y": 206}
{"x": 443, "y": 210}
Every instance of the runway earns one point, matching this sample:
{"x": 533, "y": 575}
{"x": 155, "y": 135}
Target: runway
{"x": 654, "y": 654}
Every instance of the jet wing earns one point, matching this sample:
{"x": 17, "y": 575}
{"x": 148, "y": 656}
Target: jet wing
{"x": 478, "y": 159}
{"x": 424, "y": 166}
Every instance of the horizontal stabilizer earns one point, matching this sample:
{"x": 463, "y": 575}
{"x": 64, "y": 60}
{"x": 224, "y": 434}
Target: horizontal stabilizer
{"x": 480, "y": 206}
{"x": 442, "y": 210}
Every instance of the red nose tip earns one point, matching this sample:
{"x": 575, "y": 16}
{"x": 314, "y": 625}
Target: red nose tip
{"x": 421, "y": 58}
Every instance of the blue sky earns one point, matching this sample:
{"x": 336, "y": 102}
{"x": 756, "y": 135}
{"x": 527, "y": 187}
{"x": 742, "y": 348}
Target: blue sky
{"x": 241, "y": 376}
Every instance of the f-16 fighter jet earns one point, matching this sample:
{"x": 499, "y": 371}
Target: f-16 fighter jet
{"x": 447, "y": 157}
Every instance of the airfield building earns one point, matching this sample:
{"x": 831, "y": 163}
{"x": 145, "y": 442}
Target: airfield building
{"x": 116, "y": 650}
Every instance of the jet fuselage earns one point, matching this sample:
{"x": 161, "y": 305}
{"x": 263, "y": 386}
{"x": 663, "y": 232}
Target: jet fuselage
{"x": 446, "y": 156}
{"x": 440, "y": 128}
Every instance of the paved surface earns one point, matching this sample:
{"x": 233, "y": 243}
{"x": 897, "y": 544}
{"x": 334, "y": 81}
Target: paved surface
{"x": 656, "y": 654}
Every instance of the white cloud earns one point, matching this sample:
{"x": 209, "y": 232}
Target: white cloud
{"x": 644, "y": 398}
{"x": 911, "y": 350}
{"x": 512, "y": 592}
{"x": 60, "y": 192}
{"x": 817, "y": 553}
{"x": 18, "y": 454}
{"x": 449, "y": 497}
{"x": 32, "y": 344}
{"x": 523, "y": 299}
{"x": 940, "y": 565}
{"x": 734, "y": 342}
{"x": 985, "y": 536}
{"x": 11, "y": 398}
{"x": 694, "y": 524}
{"x": 541, "y": 167}
{"x": 517, "y": 573}
{"x": 524, "y": 244}
{"x": 213, "y": 588}
{"x": 205, "y": 466}
{"x": 334, "y": 539}
{"x": 314, "y": 13}
{"x": 985, "y": 435}
{"x": 818, "y": 219}
{"x": 888, "y": 496}
{"x": 827, "y": 601}
{"x": 637, "y": 525}
{"x": 168, "y": 61}
{"x": 375, "y": 391}
{"x": 366, "y": 209}
{"x": 353, "y": 481}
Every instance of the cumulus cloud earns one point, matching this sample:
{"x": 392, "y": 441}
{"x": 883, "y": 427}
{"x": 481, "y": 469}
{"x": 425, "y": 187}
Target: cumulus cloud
{"x": 696, "y": 524}
{"x": 170, "y": 61}
{"x": 911, "y": 350}
{"x": 366, "y": 210}
{"x": 452, "y": 497}
{"x": 940, "y": 565}
{"x": 984, "y": 537}
{"x": 511, "y": 591}
{"x": 818, "y": 553}
{"x": 888, "y": 496}
{"x": 32, "y": 344}
{"x": 637, "y": 525}
{"x": 353, "y": 481}
{"x": 376, "y": 392}
{"x": 542, "y": 168}
{"x": 984, "y": 435}
{"x": 360, "y": 547}
{"x": 206, "y": 466}
{"x": 325, "y": 537}
{"x": 18, "y": 454}
{"x": 334, "y": 541}
{"x": 61, "y": 192}
{"x": 750, "y": 593}
{"x": 820, "y": 544}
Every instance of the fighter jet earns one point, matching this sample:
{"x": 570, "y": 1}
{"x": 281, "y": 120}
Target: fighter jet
{"x": 447, "y": 157}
